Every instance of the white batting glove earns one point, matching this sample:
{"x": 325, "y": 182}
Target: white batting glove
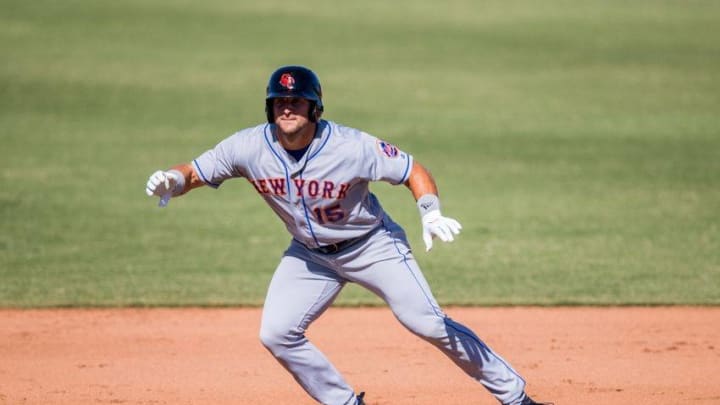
{"x": 436, "y": 225}
{"x": 163, "y": 184}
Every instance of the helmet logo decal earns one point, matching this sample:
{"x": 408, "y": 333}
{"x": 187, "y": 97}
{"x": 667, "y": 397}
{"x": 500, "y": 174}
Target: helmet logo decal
{"x": 387, "y": 149}
{"x": 287, "y": 81}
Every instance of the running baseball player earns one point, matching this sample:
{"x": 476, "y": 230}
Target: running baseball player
{"x": 315, "y": 175}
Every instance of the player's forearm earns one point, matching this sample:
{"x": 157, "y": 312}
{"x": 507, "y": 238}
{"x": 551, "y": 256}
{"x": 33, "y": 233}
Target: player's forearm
{"x": 192, "y": 180}
{"x": 421, "y": 181}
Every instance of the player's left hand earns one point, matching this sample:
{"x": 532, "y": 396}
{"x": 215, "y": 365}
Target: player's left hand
{"x": 436, "y": 225}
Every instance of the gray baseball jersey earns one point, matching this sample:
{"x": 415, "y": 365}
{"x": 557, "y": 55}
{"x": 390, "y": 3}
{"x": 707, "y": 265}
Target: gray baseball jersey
{"x": 324, "y": 197}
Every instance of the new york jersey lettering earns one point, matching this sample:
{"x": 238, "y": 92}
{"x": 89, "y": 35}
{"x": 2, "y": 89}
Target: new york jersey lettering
{"x": 325, "y": 189}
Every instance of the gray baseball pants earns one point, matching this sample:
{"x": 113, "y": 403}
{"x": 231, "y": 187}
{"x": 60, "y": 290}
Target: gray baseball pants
{"x": 306, "y": 283}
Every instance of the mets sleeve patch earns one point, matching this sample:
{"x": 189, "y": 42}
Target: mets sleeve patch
{"x": 387, "y": 149}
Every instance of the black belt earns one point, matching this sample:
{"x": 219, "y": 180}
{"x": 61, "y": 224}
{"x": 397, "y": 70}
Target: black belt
{"x": 338, "y": 246}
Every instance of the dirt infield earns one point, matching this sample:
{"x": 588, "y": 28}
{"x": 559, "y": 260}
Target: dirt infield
{"x": 213, "y": 356}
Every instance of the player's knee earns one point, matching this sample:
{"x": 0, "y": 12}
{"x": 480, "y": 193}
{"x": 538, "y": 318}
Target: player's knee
{"x": 276, "y": 337}
{"x": 270, "y": 337}
{"x": 426, "y": 327}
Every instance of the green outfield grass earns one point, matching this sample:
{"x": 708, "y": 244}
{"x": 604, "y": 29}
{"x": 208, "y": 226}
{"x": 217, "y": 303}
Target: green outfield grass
{"x": 578, "y": 142}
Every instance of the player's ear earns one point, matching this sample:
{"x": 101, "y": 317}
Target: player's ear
{"x": 317, "y": 112}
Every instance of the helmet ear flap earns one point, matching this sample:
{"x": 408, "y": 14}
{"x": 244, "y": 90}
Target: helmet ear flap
{"x": 315, "y": 112}
{"x": 269, "y": 110}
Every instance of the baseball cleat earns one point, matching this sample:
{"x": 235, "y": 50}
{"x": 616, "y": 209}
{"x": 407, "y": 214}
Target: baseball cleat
{"x": 530, "y": 401}
{"x": 359, "y": 399}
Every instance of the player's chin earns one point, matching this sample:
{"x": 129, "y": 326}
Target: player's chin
{"x": 290, "y": 126}
{"x": 287, "y": 127}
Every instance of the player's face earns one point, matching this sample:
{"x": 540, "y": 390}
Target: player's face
{"x": 291, "y": 114}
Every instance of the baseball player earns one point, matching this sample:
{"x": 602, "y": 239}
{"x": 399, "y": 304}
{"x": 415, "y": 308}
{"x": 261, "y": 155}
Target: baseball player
{"x": 315, "y": 175}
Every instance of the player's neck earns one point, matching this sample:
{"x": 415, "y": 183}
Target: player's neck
{"x": 297, "y": 140}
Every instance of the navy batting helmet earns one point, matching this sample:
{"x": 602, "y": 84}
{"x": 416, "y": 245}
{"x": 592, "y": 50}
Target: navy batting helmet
{"x": 294, "y": 81}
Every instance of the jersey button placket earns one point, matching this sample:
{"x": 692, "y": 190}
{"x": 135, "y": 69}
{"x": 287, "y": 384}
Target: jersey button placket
{"x": 298, "y": 209}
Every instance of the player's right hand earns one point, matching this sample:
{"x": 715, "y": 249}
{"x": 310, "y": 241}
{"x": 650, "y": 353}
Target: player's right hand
{"x": 161, "y": 184}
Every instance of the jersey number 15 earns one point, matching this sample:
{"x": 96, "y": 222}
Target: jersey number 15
{"x": 332, "y": 213}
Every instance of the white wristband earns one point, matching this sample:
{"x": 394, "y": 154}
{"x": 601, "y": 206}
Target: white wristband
{"x": 180, "y": 182}
{"x": 428, "y": 203}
